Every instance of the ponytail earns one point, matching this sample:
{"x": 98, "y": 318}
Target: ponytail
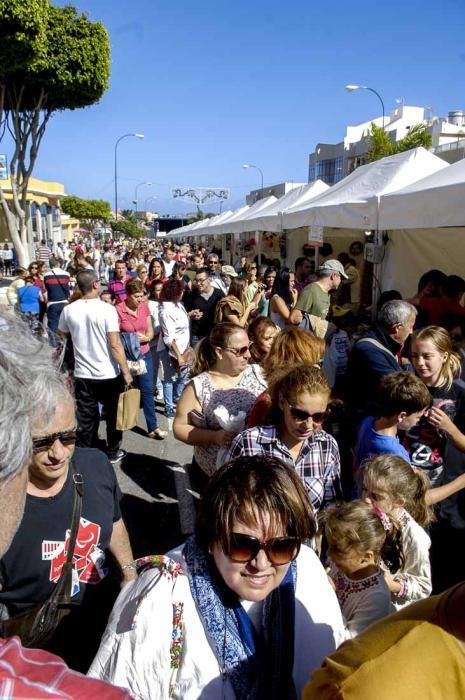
{"x": 404, "y": 484}
{"x": 392, "y": 552}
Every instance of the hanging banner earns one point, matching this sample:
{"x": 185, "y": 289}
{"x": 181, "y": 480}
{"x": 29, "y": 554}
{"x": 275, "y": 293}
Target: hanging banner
{"x": 3, "y": 167}
{"x": 315, "y": 236}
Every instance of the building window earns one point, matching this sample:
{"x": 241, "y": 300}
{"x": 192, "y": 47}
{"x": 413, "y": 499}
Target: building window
{"x": 330, "y": 170}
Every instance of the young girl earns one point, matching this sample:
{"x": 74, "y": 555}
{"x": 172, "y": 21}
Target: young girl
{"x": 437, "y": 445}
{"x": 360, "y": 536}
{"x": 391, "y": 485}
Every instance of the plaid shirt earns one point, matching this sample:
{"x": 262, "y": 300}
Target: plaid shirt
{"x": 318, "y": 464}
{"x": 36, "y": 674}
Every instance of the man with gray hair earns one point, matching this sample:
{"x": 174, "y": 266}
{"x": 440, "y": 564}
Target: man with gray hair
{"x": 378, "y": 353}
{"x": 99, "y": 361}
{"x": 28, "y": 383}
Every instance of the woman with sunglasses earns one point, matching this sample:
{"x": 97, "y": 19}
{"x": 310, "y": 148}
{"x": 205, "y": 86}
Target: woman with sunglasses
{"x": 294, "y": 433}
{"x": 243, "y": 610}
{"x": 224, "y": 383}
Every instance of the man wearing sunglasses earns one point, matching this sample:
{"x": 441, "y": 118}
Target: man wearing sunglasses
{"x": 27, "y": 370}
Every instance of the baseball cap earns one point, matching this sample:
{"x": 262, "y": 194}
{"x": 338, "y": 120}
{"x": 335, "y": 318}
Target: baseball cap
{"x": 339, "y": 311}
{"x": 333, "y": 266}
{"x": 229, "y": 270}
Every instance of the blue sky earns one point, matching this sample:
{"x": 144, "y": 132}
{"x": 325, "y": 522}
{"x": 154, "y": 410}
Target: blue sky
{"x": 213, "y": 85}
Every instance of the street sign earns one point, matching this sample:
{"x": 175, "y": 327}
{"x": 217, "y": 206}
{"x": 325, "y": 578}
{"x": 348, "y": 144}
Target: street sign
{"x": 3, "y": 167}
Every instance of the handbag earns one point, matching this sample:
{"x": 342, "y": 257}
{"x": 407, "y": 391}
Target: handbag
{"x": 128, "y": 409}
{"x": 35, "y": 626}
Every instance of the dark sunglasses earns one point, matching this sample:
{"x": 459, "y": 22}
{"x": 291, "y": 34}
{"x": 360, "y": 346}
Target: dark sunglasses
{"x": 45, "y": 443}
{"x": 279, "y": 550}
{"x": 213, "y": 262}
{"x": 299, "y": 415}
{"x": 239, "y": 352}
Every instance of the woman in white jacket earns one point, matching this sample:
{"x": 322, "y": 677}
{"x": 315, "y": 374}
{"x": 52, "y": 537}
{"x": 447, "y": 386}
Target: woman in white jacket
{"x": 243, "y": 610}
{"x": 174, "y": 343}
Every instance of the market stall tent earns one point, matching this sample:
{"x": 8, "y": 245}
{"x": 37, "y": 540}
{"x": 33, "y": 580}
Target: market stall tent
{"x": 353, "y": 202}
{"x": 433, "y": 201}
{"x": 270, "y": 218}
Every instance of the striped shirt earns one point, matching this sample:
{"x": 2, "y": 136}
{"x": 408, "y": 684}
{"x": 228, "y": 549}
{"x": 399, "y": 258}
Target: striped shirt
{"x": 37, "y": 674}
{"x": 57, "y": 285}
{"x": 318, "y": 464}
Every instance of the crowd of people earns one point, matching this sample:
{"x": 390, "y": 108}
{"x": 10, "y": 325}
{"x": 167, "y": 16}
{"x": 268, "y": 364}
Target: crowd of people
{"x": 328, "y": 457}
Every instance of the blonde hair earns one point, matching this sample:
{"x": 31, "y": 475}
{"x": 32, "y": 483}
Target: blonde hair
{"x": 405, "y": 485}
{"x": 357, "y": 525}
{"x": 443, "y": 344}
{"x": 293, "y": 346}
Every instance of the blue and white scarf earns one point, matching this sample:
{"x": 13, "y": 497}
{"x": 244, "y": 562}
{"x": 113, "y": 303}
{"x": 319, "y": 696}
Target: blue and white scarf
{"x": 257, "y": 665}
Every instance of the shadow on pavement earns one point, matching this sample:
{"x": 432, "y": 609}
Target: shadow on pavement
{"x": 165, "y": 518}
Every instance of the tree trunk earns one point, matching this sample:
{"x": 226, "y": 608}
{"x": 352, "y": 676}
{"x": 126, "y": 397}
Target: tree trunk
{"x": 19, "y": 237}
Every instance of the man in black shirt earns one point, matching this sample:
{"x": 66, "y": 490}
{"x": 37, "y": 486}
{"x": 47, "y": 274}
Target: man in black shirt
{"x": 201, "y": 304}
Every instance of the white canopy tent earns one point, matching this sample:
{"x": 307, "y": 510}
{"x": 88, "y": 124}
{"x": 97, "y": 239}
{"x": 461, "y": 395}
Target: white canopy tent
{"x": 270, "y": 218}
{"x": 216, "y": 226}
{"x": 436, "y": 200}
{"x": 237, "y": 223}
{"x": 353, "y": 202}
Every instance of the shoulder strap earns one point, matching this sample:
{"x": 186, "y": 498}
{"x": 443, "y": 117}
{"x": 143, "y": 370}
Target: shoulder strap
{"x": 63, "y": 585}
{"x": 377, "y": 344}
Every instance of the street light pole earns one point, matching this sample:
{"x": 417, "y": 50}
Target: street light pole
{"x": 351, "y": 88}
{"x": 250, "y": 165}
{"x": 124, "y": 136}
{"x": 139, "y": 184}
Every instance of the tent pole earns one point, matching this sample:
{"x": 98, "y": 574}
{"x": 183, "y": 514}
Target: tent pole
{"x": 259, "y": 247}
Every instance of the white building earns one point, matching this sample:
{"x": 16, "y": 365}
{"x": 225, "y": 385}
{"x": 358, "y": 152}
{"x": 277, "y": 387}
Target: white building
{"x": 331, "y": 162}
{"x": 276, "y": 190}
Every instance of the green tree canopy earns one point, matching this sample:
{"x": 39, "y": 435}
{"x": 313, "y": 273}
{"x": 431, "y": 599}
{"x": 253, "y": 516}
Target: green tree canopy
{"x": 51, "y": 59}
{"x": 128, "y": 229}
{"x": 381, "y": 144}
{"x": 89, "y": 211}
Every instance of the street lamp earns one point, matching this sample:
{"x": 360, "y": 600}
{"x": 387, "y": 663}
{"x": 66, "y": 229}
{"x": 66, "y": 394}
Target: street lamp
{"x": 250, "y": 165}
{"x": 351, "y": 88}
{"x": 139, "y": 184}
{"x": 124, "y": 136}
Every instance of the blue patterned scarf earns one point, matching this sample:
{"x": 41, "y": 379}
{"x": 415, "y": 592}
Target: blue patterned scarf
{"x": 257, "y": 665}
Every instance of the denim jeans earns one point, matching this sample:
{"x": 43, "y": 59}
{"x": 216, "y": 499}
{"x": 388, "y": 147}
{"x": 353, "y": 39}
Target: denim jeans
{"x": 173, "y": 381}
{"x": 157, "y": 383}
{"x": 53, "y": 315}
{"x": 144, "y": 382}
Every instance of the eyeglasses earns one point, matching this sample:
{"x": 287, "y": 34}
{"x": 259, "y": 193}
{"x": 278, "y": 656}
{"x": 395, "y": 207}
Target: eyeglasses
{"x": 279, "y": 550}
{"x": 201, "y": 281}
{"x": 239, "y": 352}
{"x": 212, "y": 262}
{"x": 301, "y": 416}
{"x": 33, "y": 267}
{"x": 45, "y": 443}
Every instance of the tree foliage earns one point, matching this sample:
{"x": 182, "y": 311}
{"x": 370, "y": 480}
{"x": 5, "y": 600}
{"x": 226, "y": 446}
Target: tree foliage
{"x": 127, "y": 229}
{"x": 381, "y": 144}
{"x": 89, "y": 211}
{"x": 51, "y": 59}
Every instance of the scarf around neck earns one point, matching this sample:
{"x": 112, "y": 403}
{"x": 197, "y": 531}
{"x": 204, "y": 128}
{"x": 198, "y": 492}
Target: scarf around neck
{"x": 258, "y": 665}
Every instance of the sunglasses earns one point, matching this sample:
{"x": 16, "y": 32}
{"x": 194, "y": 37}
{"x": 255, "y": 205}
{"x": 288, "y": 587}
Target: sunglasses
{"x": 213, "y": 262}
{"x": 301, "y": 416}
{"x": 45, "y": 443}
{"x": 279, "y": 550}
{"x": 239, "y": 352}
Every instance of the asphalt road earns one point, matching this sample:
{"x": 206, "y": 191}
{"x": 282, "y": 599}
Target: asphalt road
{"x": 157, "y": 504}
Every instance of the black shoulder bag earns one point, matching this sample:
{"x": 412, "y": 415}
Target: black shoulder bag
{"x": 35, "y": 626}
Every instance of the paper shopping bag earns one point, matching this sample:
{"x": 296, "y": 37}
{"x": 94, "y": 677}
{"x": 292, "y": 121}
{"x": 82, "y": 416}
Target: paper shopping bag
{"x": 128, "y": 409}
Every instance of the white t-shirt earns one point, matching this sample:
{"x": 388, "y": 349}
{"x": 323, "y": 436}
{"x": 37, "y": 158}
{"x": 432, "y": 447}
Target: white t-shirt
{"x": 88, "y": 321}
{"x": 168, "y": 267}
